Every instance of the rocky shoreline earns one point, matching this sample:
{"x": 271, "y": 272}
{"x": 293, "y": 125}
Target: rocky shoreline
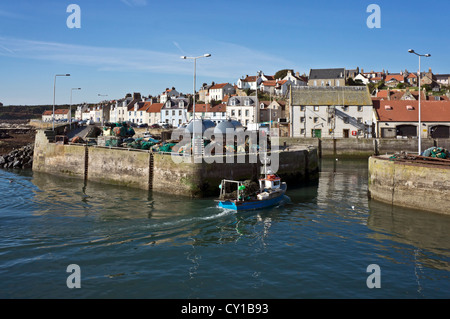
{"x": 20, "y": 158}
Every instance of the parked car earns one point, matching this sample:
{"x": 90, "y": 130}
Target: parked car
{"x": 154, "y": 126}
{"x": 143, "y": 125}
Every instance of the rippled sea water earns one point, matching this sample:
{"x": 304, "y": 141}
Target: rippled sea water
{"x": 131, "y": 243}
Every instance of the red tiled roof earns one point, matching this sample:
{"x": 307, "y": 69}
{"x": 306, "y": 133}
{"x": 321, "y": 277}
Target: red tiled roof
{"x": 431, "y": 111}
{"x": 58, "y": 111}
{"x": 217, "y": 86}
{"x": 250, "y": 78}
{"x": 412, "y": 75}
{"x": 222, "y": 107}
{"x": 155, "y": 107}
{"x": 397, "y": 77}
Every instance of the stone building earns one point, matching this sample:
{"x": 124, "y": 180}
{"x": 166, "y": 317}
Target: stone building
{"x": 331, "y": 112}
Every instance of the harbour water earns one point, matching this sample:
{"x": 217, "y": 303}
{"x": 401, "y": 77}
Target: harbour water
{"x": 130, "y": 243}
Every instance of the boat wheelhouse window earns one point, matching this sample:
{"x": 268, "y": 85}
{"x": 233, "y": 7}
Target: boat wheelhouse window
{"x": 276, "y": 183}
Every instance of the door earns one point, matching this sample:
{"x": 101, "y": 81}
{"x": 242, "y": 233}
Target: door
{"x": 407, "y": 130}
{"x": 388, "y": 132}
{"x": 440, "y": 131}
{"x": 346, "y": 133}
{"x": 316, "y": 133}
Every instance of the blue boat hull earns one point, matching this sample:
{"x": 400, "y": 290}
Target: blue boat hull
{"x": 256, "y": 204}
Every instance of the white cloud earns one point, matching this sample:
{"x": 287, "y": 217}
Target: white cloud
{"x": 228, "y": 60}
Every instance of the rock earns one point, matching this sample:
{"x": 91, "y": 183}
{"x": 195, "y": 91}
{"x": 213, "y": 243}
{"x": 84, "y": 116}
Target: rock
{"x": 16, "y": 164}
{"x": 2, "y": 160}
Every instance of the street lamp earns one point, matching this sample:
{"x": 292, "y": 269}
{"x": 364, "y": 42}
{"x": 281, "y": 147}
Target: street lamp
{"x": 420, "y": 93}
{"x": 207, "y": 55}
{"x": 70, "y": 112}
{"x": 54, "y": 95}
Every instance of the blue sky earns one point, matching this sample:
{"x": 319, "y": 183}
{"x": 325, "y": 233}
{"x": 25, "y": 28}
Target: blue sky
{"x": 126, "y": 46}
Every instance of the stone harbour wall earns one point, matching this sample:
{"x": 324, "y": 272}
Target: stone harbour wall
{"x": 413, "y": 185}
{"x": 159, "y": 172}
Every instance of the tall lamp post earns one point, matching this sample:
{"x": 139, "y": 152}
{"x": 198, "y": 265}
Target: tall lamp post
{"x": 195, "y": 132}
{"x": 54, "y": 95}
{"x": 420, "y": 93}
{"x": 70, "y": 109}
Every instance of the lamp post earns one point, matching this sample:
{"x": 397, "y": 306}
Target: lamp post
{"x": 420, "y": 93}
{"x": 195, "y": 148}
{"x": 207, "y": 55}
{"x": 54, "y": 95}
{"x": 70, "y": 109}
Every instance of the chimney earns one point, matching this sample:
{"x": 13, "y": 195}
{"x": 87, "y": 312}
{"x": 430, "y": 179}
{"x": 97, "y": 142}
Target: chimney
{"x": 136, "y": 96}
{"x": 297, "y": 74}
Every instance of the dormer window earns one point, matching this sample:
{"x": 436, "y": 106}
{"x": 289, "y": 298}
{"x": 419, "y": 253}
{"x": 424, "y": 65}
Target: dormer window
{"x": 409, "y": 107}
{"x": 247, "y": 102}
{"x": 181, "y": 104}
{"x": 388, "y": 107}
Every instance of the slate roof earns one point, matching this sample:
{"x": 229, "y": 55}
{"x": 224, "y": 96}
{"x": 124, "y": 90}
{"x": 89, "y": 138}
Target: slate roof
{"x": 315, "y": 74}
{"x": 327, "y": 95}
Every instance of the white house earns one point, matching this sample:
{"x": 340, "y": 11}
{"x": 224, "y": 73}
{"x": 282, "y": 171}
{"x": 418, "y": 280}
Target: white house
{"x": 168, "y": 94}
{"x": 218, "y": 91}
{"x": 362, "y": 78}
{"x": 175, "y": 111}
{"x": 60, "y": 114}
{"x": 243, "y": 109}
{"x": 216, "y": 113}
{"x": 331, "y": 112}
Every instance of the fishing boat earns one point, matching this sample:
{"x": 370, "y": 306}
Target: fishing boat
{"x": 233, "y": 193}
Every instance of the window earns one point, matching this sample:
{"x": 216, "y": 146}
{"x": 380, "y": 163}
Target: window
{"x": 346, "y": 120}
{"x": 315, "y": 83}
{"x": 180, "y": 112}
{"x": 338, "y": 83}
{"x": 302, "y": 119}
{"x": 173, "y": 112}
{"x": 141, "y": 113}
{"x": 322, "y": 83}
{"x": 302, "y": 131}
{"x": 345, "y": 108}
{"x": 360, "y": 108}
{"x": 246, "y": 112}
{"x": 316, "y": 108}
{"x": 360, "y": 120}
{"x": 239, "y": 112}
{"x": 302, "y": 108}
{"x": 316, "y": 119}
{"x": 232, "y": 113}
{"x": 167, "y": 112}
